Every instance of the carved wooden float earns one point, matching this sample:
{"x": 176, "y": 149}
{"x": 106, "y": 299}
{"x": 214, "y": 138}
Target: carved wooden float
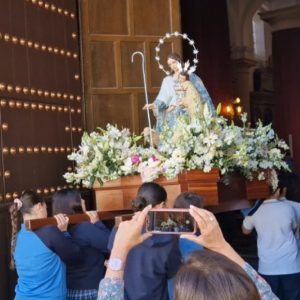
{"x": 118, "y": 194}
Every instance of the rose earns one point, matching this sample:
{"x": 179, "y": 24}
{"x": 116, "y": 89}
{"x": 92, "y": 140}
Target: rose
{"x": 154, "y": 158}
{"x": 135, "y": 159}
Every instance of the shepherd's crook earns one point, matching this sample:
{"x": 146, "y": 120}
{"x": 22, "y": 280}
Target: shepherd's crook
{"x": 146, "y": 93}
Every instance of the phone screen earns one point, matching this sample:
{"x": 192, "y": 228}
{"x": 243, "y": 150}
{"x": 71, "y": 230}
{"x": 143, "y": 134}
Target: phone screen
{"x": 170, "y": 221}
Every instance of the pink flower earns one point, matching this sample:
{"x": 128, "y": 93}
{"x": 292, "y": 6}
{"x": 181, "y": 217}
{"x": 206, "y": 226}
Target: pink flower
{"x": 135, "y": 159}
{"x": 154, "y": 158}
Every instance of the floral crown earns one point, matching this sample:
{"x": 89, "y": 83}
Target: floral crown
{"x": 186, "y": 68}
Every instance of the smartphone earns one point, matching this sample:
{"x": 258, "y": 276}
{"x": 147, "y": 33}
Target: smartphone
{"x": 170, "y": 221}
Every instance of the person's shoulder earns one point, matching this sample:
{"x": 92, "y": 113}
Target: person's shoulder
{"x": 292, "y": 203}
{"x": 83, "y": 232}
{"x": 163, "y": 241}
{"x": 278, "y": 205}
{"x": 49, "y": 234}
{"x": 290, "y": 207}
{"x": 49, "y": 229}
{"x": 286, "y": 203}
{"x": 82, "y": 226}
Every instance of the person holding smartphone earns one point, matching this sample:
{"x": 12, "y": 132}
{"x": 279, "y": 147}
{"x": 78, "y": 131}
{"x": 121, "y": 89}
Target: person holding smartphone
{"x": 239, "y": 280}
{"x": 157, "y": 259}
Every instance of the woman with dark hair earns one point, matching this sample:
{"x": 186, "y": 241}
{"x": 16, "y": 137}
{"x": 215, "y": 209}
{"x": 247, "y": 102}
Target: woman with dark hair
{"x": 213, "y": 274}
{"x": 153, "y": 262}
{"x": 220, "y": 274}
{"x": 167, "y": 94}
{"x": 185, "y": 200}
{"x": 83, "y": 278}
{"x": 40, "y": 256}
{"x": 71, "y": 203}
{"x": 149, "y": 193}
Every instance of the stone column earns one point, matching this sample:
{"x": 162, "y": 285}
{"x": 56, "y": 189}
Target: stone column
{"x": 285, "y": 25}
{"x": 242, "y": 84}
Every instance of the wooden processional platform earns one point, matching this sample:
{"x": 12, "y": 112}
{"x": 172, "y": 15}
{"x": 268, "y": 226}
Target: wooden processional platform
{"x": 218, "y": 197}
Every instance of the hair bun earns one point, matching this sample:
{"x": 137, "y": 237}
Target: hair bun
{"x": 139, "y": 203}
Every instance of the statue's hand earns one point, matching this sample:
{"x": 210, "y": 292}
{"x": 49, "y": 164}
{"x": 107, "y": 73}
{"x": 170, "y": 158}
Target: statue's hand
{"x": 148, "y": 106}
{"x": 170, "y": 108}
{"x": 179, "y": 103}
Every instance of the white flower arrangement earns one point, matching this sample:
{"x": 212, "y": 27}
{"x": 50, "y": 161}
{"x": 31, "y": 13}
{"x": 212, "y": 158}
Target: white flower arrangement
{"x": 104, "y": 155}
{"x": 204, "y": 144}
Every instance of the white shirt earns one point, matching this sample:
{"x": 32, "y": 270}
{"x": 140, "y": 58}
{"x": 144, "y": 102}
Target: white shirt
{"x": 275, "y": 224}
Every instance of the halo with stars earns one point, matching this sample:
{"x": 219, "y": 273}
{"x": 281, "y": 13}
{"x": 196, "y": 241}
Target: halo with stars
{"x": 171, "y": 35}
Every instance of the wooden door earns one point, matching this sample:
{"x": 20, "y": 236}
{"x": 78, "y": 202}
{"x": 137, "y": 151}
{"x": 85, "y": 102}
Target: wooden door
{"x": 111, "y": 31}
{"x": 40, "y": 94}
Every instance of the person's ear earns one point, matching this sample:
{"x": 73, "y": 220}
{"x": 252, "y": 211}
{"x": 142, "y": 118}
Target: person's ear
{"x": 41, "y": 206}
{"x": 37, "y": 209}
{"x": 161, "y": 205}
{"x": 277, "y": 193}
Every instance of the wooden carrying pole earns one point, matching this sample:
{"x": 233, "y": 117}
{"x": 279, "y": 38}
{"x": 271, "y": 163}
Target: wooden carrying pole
{"x": 75, "y": 219}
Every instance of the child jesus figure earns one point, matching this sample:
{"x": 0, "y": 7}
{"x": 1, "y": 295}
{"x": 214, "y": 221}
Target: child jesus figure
{"x": 191, "y": 99}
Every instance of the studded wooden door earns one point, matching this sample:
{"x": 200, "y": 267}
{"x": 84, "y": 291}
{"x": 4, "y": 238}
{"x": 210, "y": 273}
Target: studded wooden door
{"x": 40, "y": 94}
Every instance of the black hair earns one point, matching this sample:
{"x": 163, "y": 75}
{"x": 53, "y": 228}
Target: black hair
{"x": 66, "y": 201}
{"x": 149, "y": 193}
{"x": 185, "y": 199}
{"x": 291, "y": 182}
{"x": 28, "y": 200}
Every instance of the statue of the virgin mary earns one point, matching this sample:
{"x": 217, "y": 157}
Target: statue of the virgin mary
{"x": 168, "y": 96}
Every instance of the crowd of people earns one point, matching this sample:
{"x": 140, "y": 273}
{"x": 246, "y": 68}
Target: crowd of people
{"x": 87, "y": 261}
{"x": 68, "y": 261}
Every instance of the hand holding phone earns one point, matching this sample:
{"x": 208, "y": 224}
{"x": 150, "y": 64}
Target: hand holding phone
{"x": 170, "y": 221}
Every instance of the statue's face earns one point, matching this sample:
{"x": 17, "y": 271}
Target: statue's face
{"x": 182, "y": 78}
{"x": 172, "y": 63}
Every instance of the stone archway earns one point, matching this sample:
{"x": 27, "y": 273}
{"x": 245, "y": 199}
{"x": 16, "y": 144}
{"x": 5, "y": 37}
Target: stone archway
{"x": 240, "y": 16}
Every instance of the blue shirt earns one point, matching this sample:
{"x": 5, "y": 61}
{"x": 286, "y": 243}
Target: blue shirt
{"x": 187, "y": 247}
{"x": 39, "y": 263}
{"x": 92, "y": 239}
{"x": 149, "y": 266}
{"x": 275, "y": 224}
